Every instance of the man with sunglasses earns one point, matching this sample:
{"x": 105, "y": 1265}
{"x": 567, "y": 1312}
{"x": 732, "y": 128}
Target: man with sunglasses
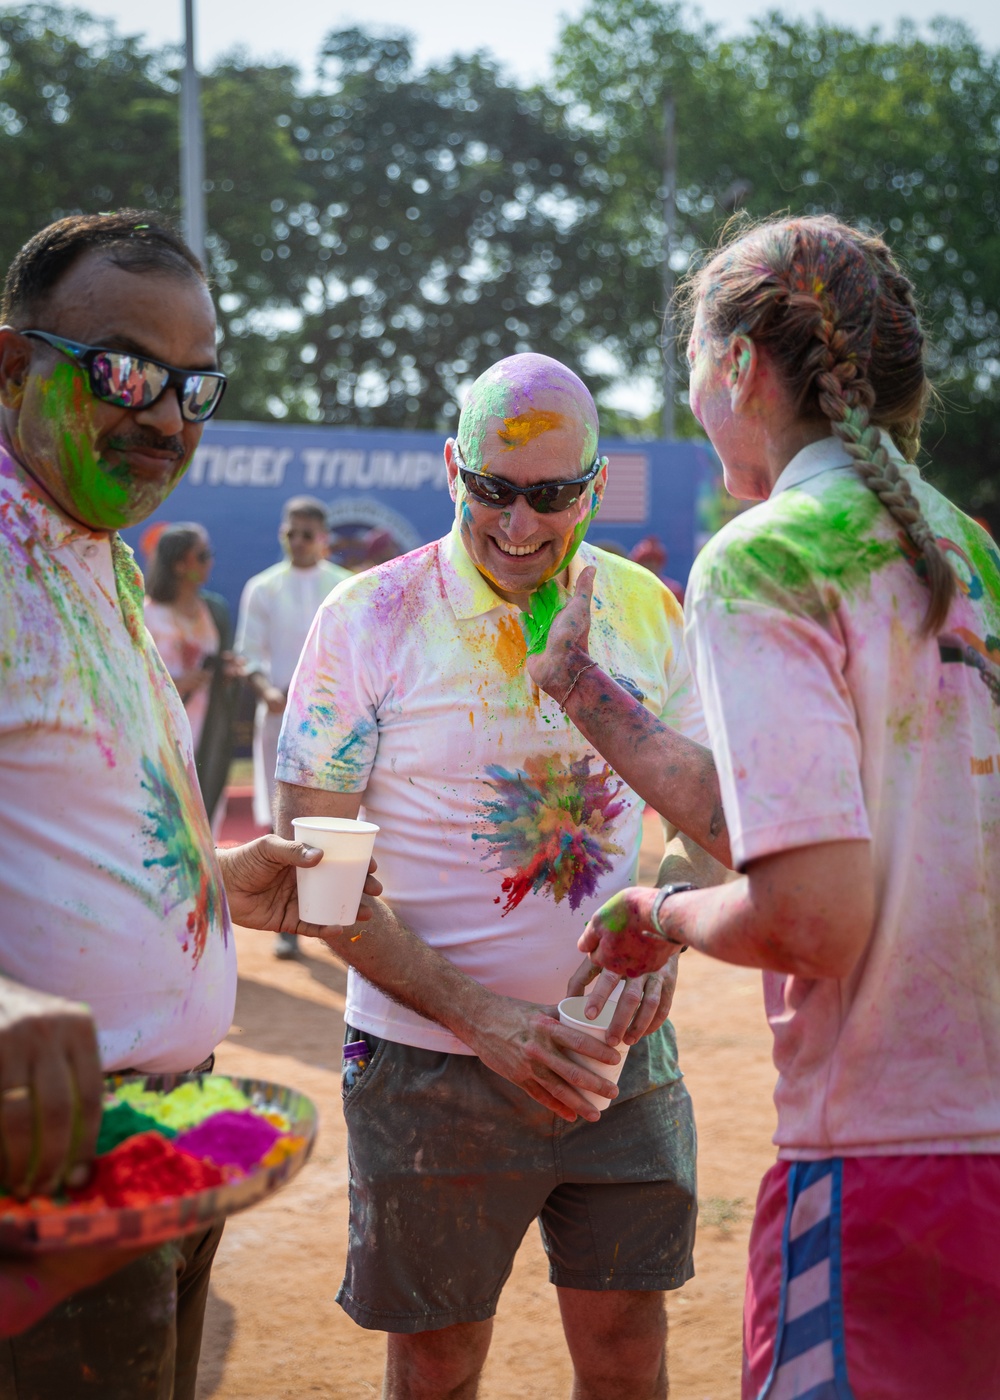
{"x": 500, "y": 829}
{"x": 276, "y": 609}
{"x": 116, "y": 946}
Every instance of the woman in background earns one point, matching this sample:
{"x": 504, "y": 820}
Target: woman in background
{"x": 193, "y": 633}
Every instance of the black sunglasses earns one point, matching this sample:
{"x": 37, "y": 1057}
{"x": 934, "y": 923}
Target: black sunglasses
{"x": 545, "y": 497}
{"x": 132, "y": 381}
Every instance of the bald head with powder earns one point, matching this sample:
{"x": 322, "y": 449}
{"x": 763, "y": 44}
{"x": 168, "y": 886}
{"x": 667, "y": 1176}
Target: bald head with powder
{"x": 528, "y": 420}
{"x": 520, "y": 400}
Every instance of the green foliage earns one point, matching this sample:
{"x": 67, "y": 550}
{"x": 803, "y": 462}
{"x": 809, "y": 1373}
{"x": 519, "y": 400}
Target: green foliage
{"x": 901, "y": 134}
{"x": 87, "y": 121}
{"x": 451, "y": 211}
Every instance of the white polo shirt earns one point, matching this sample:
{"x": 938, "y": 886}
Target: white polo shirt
{"x": 833, "y": 719}
{"x": 276, "y": 611}
{"x": 501, "y": 830}
{"x": 109, "y": 887}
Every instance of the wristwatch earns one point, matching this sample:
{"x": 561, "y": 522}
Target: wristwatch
{"x": 665, "y": 892}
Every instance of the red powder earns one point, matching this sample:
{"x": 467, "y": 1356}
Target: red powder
{"x": 146, "y": 1169}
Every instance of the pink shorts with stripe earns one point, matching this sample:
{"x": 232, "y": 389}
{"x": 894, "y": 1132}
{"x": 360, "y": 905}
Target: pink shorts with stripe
{"x": 875, "y": 1278}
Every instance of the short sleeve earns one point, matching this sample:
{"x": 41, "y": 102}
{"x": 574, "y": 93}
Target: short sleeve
{"x": 683, "y": 709}
{"x": 781, "y": 722}
{"x": 329, "y": 735}
{"x": 251, "y": 629}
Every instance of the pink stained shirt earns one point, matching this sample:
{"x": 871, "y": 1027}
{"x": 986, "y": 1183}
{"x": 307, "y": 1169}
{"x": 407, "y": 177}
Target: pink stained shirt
{"x": 110, "y": 891}
{"x": 832, "y": 719}
{"x": 501, "y": 829}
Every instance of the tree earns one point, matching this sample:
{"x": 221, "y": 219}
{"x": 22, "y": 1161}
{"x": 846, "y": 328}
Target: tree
{"x": 87, "y": 121}
{"x": 900, "y": 134}
{"x": 449, "y": 221}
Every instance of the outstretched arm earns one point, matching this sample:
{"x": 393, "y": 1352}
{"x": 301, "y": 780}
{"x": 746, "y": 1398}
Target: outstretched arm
{"x": 808, "y": 911}
{"x": 675, "y": 775}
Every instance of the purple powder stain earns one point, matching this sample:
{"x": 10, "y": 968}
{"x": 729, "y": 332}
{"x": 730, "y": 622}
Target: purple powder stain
{"x": 230, "y": 1139}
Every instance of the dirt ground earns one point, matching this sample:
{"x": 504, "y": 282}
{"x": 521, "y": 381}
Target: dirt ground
{"x": 273, "y": 1329}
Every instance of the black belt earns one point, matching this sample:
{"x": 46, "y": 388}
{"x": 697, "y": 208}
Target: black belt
{"x": 206, "y": 1067}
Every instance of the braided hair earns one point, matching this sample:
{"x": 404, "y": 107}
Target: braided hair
{"x": 838, "y": 318}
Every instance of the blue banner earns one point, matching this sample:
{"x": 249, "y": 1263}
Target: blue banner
{"x": 394, "y": 482}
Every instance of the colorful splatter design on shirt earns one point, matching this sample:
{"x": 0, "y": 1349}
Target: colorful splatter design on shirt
{"x": 552, "y": 827}
{"x": 423, "y": 659}
{"x": 130, "y": 916}
{"x": 179, "y": 842}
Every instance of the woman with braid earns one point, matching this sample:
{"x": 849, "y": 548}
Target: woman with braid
{"x": 845, "y": 636}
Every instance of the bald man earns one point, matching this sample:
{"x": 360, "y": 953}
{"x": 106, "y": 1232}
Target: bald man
{"x": 501, "y": 830}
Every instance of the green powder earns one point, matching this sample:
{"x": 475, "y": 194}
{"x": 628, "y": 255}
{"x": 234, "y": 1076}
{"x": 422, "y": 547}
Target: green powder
{"x": 546, "y": 605}
{"x": 122, "y": 1121}
{"x": 807, "y": 548}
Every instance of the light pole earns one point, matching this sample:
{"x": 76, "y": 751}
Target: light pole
{"x": 192, "y": 144}
{"x": 669, "y": 221}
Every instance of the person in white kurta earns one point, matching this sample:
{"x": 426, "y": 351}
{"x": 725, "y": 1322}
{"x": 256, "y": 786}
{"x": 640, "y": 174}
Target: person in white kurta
{"x": 276, "y": 611}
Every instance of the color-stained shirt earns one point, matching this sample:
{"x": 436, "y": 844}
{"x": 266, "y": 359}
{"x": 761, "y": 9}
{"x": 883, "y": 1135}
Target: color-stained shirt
{"x": 276, "y": 612}
{"x": 109, "y": 887}
{"x": 184, "y": 643}
{"x": 501, "y": 830}
{"x": 832, "y": 719}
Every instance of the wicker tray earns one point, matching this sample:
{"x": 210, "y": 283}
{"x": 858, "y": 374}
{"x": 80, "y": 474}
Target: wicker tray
{"x": 68, "y": 1228}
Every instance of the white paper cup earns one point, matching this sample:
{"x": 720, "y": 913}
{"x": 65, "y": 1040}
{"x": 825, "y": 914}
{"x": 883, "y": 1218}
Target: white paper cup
{"x": 330, "y": 893}
{"x": 571, "y": 1013}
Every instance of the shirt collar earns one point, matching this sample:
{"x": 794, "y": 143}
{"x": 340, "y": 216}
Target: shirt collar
{"x": 468, "y": 592}
{"x": 827, "y": 455}
{"x": 30, "y": 513}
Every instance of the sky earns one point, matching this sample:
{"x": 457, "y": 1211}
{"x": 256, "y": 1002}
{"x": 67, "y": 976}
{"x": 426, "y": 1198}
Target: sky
{"x": 524, "y": 41}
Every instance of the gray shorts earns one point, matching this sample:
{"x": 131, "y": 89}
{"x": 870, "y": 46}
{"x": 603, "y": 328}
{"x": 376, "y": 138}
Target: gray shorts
{"x": 450, "y": 1163}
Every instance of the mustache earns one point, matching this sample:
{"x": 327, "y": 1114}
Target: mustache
{"x": 143, "y": 438}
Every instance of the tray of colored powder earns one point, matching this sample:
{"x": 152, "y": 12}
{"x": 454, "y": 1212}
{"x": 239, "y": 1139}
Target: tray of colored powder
{"x": 175, "y": 1153}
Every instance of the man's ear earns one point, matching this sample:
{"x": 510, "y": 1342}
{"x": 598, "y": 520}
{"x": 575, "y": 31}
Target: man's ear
{"x": 15, "y": 358}
{"x": 451, "y": 466}
{"x": 744, "y": 370}
{"x": 600, "y": 485}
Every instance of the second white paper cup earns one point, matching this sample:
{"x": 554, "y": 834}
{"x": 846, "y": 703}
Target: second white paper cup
{"x": 571, "y": 1013}
{"x": 330, "y": 893}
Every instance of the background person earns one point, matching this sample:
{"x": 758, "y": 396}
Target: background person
{"x": 116, "y": 946}
{"x": 276, "y": 610}
{"x": 193, "y": 632}
{"x": 846, "y": 639}
{"x": 500, "y": 829}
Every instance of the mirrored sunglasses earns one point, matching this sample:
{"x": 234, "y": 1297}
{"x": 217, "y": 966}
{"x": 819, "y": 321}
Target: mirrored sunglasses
{"x": 544, "y": 497}
{"x": 131, "y": 381}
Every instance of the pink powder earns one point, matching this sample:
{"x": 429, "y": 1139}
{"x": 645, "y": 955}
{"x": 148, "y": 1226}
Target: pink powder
{"x": 230, "y": 1139}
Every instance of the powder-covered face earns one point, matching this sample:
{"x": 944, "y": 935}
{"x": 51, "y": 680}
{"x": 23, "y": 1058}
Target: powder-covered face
{"x": 109, "y": 467}
{"x": 528, "y": 419}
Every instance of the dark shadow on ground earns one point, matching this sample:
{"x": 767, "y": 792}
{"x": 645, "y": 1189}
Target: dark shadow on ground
{"x": 323, "y": 968}
{"x": 264, "y": 1013}
{"x": 220, "y": 1328}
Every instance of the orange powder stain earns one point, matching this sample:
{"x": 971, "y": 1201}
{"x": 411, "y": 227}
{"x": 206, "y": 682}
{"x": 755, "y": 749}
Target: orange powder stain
{"x": 472, "y": 718}
{"x": 526, "y": 426}
{"x": 511, "y": 648}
